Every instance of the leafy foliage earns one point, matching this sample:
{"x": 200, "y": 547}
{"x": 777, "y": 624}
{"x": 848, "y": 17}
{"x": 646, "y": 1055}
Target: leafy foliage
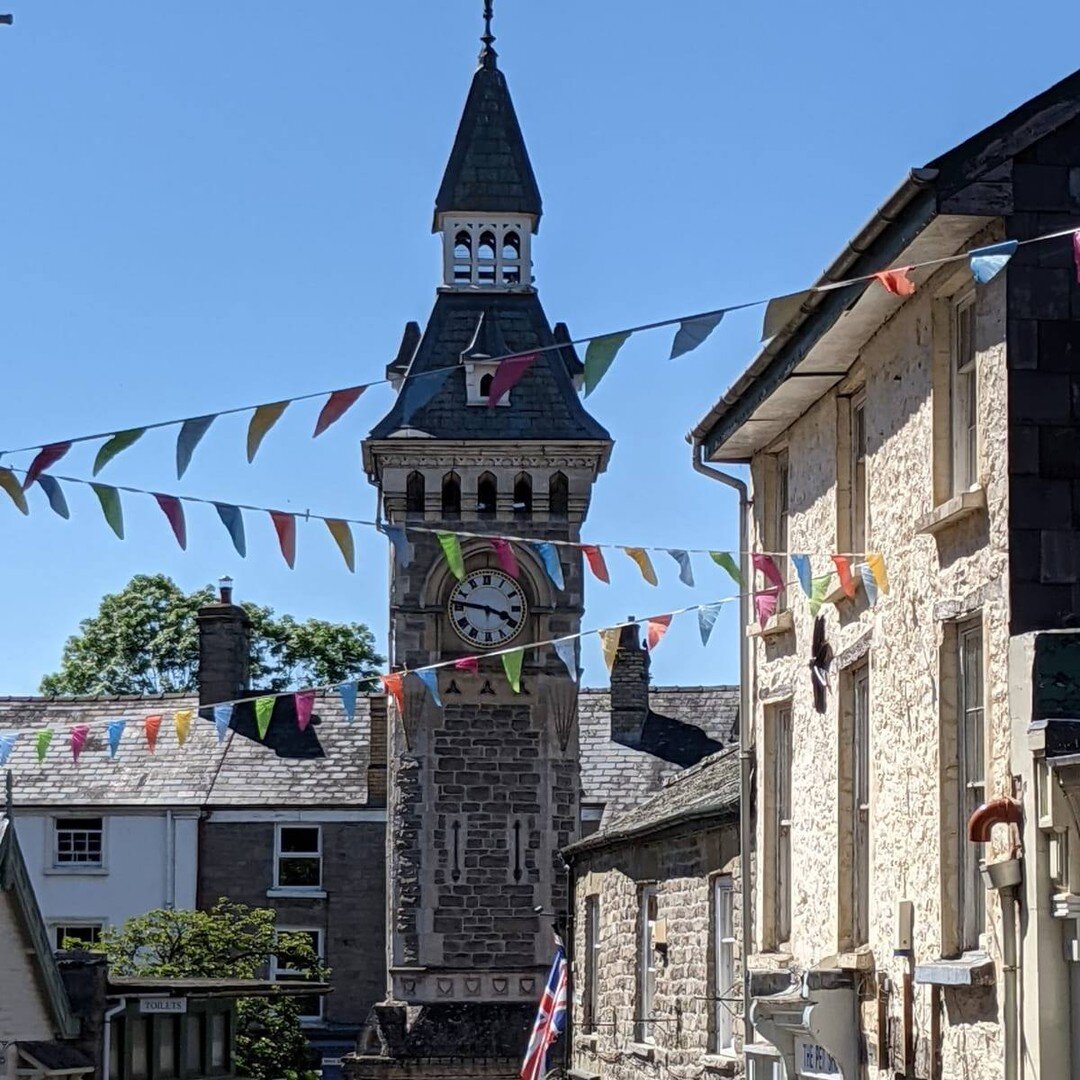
{"x": 230, "y": 941}
{"x": 145, "y": 640}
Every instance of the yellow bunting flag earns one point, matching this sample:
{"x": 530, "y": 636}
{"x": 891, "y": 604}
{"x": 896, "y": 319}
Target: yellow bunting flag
{"x": 609, "y": 641}
{"x": 876, "y": 562}
{"x": 641, "y": 557}
{"x": 512, "y": 666}
{"x": 343, "y": 537}
{"x": 451, "y": 546}
{"x": 262, "y": 420}
{"x": 182, "y": 718}
{"x": 14, "y": 489}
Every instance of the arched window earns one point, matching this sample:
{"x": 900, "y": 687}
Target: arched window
{"x": 511, "y": 258}
{"x": 486, "y": 259}
{"x": 414, "y": 493}
{"x": 523, "y": 496}
{"x": 487, "y": 246}
{"x": 463, "y": 256}
{"x": 487, "y": 495}
{"x": 451, "y": 495}
{"x": 485, "y": 384}
{"x": 558, "y": 495}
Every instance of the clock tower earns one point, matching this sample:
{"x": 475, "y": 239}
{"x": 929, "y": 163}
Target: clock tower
{"x": 484, "y": 782}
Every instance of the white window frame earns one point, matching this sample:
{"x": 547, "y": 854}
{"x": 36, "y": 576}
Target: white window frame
{"x": 591, "y": 996}
{"x": 499, "y": 273}
{"x": 970, "y": 779}
{"x": 648, "y": 898}
{"x": 963, "y": 396}
{"x": 279, "y": 974}
{"x": 723, "y": 922}
{"x": 299, "y": 890}
{"x": 782, "y": 752}
{"x": 860, "y": 808}
{"x": 85, "y": 867}
{"x": 56, "y": 925}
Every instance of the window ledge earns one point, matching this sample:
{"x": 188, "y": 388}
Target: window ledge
{"x": 1066, "y": 905}
{"x": 953, "y": 511}
{"x": 783, "y": 622}
{"x": 645, "y": 1051}
{"x": 78, "y": 871}
{"x": 588, "y": 1040}
{"x": 725, "y": 1062}
{"x": 583, "y": 1074}
{"x": 971, "y": 969}
{"x": 299, "y": 894}
{"x": 862, "y": 959}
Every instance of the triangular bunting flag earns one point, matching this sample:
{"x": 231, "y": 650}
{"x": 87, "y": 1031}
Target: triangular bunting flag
{"x": 844, "y": 572}
{"x": 507, "y": 375}
{"x": 655, "y": 630}
{"x": 347, "y": 692}
{"x": 471, "y": 664}
{"x": 609, "y": 642}
{"x": 173, "y": 509}
{"x": 7, "y": 744}
{"x": 419, "y": 389}
{"x": 987, "y": 262}
{"x": 14, "y": 489}
{"x": 233, "y": 520}
{"x": 120, "y": 441}
{"x": 394, "y": 685}
{"x": 876, "y": 562}
{"x": 264, "y": 712}
{"x": 766, "y": 566}
{"x": 1076, "y": 252}
{"x": 222, "y": 720}
{"x": 802, "y": 568}
{"x": 599, "y": 356}
{"x": 343, "y": 537}
{"x": 686, "y": 569}
{"x": 55, "y": 494}
{"x": 430, "y": 678}
{"x": 41, "y": 743}
{"x": 866, "y": 575}
{"x": 46, "y": 458}
{"x": 707, "y": 616}
{"x": 109, "y": 498}
{"x": 262, "y": 420}
{"x": 781, "y": 310}
{"x": 644, "y": 563}
{"x": 818, "y": 593}
{"x": 399, "y": 541}
{"x": 337, "y": 405}
{"x": 694, "y": 332}
{"x": 285, "y": 527}
{"x": 304, "y": 702}
{"x": 512, "y": 666}
{"x": 765, "y": 604}
{"x": 505, "y": 554}
{"x": 151, "y": 727}
{"x": 114, "y": 733}
{"x": 182, "y": 720}
{"x": 724, "y": 559}
{"x": 451, "y": 547}
{"x": 897, "y": 281}
{"x": 191, "y": 433}
{"x": 79, "y": 734}
{"x": 549, "y": 556}
{"x": 594, "y": 556}
{"x": 567, "y": 653}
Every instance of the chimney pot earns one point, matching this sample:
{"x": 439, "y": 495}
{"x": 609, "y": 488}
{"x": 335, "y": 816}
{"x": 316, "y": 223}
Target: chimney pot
{"x": 225, "y": 585}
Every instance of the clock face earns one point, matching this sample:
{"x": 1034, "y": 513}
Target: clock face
{"x": 487, "y": 609}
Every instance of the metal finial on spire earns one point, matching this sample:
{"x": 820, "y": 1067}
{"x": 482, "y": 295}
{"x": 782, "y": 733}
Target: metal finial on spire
{"x": 489, "y": 13}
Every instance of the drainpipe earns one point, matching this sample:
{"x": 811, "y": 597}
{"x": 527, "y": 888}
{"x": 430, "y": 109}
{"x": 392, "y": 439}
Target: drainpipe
{"x": 170, "y": 860}
{"x": 106, "y": 1039}
{"x": 746, "y": 755}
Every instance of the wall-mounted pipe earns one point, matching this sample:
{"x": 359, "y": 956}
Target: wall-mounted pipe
{"x": 1003, "y": 811}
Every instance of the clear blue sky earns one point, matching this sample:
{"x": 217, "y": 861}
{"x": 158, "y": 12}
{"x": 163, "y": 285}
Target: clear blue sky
{"x": 213, "y": 203}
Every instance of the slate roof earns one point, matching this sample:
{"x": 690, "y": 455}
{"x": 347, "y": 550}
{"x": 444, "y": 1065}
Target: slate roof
{"x": 706, "y": 791}
{"x": 543, "y": 405}
{"x": 489, "y": 167}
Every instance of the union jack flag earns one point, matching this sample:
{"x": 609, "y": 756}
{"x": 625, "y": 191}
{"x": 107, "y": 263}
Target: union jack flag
{"x": 550, "y": 1018}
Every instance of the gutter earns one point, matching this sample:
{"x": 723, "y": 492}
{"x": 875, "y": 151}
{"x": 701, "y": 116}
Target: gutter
{"x": 600, "y": 840}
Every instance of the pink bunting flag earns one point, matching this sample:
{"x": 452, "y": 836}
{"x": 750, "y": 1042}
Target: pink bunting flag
{"x": 507, "y": 375}
{"x": 655, "y": 630}
{"x": 1076, "y": 252}
{"x": 394, "y": 685}
{"x": 46, "y": 457}
{"x": 285, "y": 526}
{"x": 79, "y": 734}
{"x": 337, "y": 405}
{"x": 305, "y": 702}
{"x": 173, "y": 510}
{"x": 765, "y": 604}
{"x": 505, "y": 554}
{"x": 152, "y": 725}
{"x": 471, "y": 664}
{"x": 769, "y": 569}
{"x": 897, "y": 281}
{"x": 595, "y": 558}
{"x": 843, "y": 570}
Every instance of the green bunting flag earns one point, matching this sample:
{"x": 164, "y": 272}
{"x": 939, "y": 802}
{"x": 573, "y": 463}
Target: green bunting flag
{"x": 599, "y": 356}
{"x": 120, "y": 441}
{"x": 724, "y": 559}
{"x": 818, "y": 593}
{"x": 512, "y": 666}
{"x": 451, "y": 546}
{"x": 14, "y": 489}
{"x": 109, "y": 498}
{"x": 264, "y": 709}
{"x": 41, "y": 743}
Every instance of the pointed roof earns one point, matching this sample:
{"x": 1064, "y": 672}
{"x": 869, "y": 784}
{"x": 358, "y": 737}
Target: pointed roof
{"x": 489, "y": 168}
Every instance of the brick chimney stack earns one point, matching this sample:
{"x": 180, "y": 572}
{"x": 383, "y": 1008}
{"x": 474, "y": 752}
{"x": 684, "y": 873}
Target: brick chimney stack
{"x": 629, "y": 688}
{"x": 224, "y": 648}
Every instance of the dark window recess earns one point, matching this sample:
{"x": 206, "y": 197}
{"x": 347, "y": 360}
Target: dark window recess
{"x": 485, "y": 385}
{"x": 300, "y": 859}
{"x": 523, "y": 496}
{"x": 415, "y": 493}
{"x": 517, "y": 851}
{"x": 559, "y": 495}
{"x": 455, "y": 866}
{"x": 78, "y": 841}
{"x": 451, "y": 496}
{"x": 487, "y": 495}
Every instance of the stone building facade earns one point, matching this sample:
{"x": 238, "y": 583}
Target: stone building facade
{"x": 656, "y": 970}
{"x": 935, "y": 429}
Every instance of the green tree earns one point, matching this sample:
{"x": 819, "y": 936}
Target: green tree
{"x": 145, "y": 640}
{"x": 230, "y": 941}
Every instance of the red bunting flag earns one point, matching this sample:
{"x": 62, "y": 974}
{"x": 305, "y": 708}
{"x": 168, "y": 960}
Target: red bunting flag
{"x": 470, "y": 664}
{"x": 843, "y": 569}
{"x": 152, "y": 725}
{"x": 79, "y": 734}
{"x": 765, "y": 604}
{"x": 337, "y": 405}
{"x": 285, "y": 526}
{"x": 897, "y": 281}
{"x": 507, "y": 375}
{"x": 1076, "y": 252}
{"x": 394, "y": 685}
{"x": 595, "y": 558}
{"x": 505, "y": 554}
{"x": 305, "y": 702}
{"x": 771, "y": 572}
{"x": 173, "y": 509}
{"x": 656, "y": 628}
{"x": 47, "y": 456}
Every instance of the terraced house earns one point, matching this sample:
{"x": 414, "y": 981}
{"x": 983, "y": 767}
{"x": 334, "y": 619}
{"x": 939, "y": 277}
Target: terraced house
{"x": 892, "y": 930}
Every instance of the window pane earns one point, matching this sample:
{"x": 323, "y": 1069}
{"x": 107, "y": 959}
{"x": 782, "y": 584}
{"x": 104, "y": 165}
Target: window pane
{"x": 300, "y": 873}
{"x": 193, "y": 1052}
{"x": 300, "y": 840}
{"x": 219, "y": 1037}
{"x": 971, "y": 780}
{"x": 86, "y": 935}
{"x": 167, "y": 1047}
{"x": 140, "y": 1056}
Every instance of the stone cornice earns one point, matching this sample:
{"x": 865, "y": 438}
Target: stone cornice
{"x": 433, "y": 453}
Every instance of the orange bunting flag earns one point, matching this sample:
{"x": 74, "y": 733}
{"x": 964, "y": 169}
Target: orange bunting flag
{"x": 182, "y": 719}
{"x": 897, "y": 281}
{"x": 656, "y": 628}
{"x": 343, "y": 537}
{"x": 262, "y": 420}
{"x": 285, "y": 526}
{"x": 843, "y": 569}
{"x": 641, "y": 557}
{"x": 152, "y": 725}
{"x": 337, "y": 405}
{"x": 394, "y": 686}
{"x": 876, "y": 562}
{"x": 609, "y": 641}
{"x": 594, "y": 556}
{"x": 79, "y": 734}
